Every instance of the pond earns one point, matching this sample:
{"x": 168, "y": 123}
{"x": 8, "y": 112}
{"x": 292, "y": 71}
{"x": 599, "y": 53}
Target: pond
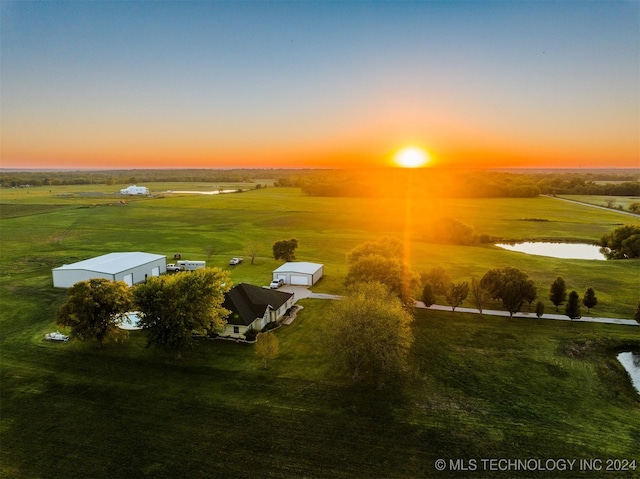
{"x": 214, "y": 192}
{"x": 556, "y": 250}
{"x": 631, "y": 362}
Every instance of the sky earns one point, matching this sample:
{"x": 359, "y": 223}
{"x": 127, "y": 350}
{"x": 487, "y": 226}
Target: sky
{"x": 233, "y": 84}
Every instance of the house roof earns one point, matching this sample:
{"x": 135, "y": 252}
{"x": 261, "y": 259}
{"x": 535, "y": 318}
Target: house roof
{"x": 112, "y": 263}
{"x": 247, "y": 302}
{"x": 299, "y": 267}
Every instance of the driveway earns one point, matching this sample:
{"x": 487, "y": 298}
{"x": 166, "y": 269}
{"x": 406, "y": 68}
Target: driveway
{"x": 302, "y": 292}
{"x": 611, "y": 210}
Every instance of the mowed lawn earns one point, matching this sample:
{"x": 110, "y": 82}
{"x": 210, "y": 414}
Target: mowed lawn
{"x": 478, "y": 388}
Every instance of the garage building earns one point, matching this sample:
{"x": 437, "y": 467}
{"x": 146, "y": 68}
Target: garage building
{"x": 299, "y": 273}
{"x": 131, "y": 268}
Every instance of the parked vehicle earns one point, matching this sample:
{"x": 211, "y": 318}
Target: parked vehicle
{"x": 173, "y": 267}
{"x": 235, "y": 261}
{"x": 191, "y": 265}
{"x": 276, "y": 283}
{"x": 57, "y": 336}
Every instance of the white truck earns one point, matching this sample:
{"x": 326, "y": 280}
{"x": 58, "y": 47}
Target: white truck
{"x": 187, "y": 265}
{"x": 235, "y": 261}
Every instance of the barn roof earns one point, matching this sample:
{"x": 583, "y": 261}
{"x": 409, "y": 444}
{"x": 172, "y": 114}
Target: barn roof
{"x": 248, "y": 302}
{"x": 299, "y": 267}
{"x": 112, "y": 263}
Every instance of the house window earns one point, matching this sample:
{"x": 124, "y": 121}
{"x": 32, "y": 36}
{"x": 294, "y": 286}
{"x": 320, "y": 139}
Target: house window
{"x": 236, "y": 330}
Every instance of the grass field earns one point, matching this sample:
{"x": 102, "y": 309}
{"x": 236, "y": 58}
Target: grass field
{"x": 479, "y": 388}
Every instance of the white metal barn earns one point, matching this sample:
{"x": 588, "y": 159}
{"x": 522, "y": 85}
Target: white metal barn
{"x": 134, "y": 190}
{"x": 131, "y": 268}
{"x": 299, "y": 273}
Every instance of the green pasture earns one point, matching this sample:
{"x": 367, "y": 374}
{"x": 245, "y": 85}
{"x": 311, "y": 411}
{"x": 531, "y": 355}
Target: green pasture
{"x": 478, "y": 388}
{"x": 42, "y": 230}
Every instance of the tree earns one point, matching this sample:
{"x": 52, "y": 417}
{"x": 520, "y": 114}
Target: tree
{"x": 368, "y": 334}
{"x": 456, "y": 293}
{"x": 391, "y": 272}
{"x": 267, "y": 347}
{"x": 95, "y": 308}
{"x": 452, "y": 231}
{"x": 252, "y": 249}
{"x": 511, "y": 286}
{"x": 635, "y": 207}
{"x": 589, "y": 300}
{"x": 428, "y": 296}
{"x": 636, "y": 316}
{"x": 558, "y": 292}
{"x": 479, "y": 295}
{"x": 285, "y": 249}
{"x": 539, "y": 309}
{"x": 572, "y": 308}
{"x": 386, "y": 247}
{"x": 177, "y": 307}
{"x": 623, "y": 242}
{"x": 209, "y": 250}
{"x": 438, "y": 278}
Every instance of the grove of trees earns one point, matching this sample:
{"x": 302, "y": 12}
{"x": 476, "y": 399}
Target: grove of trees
{"x": 381, "y": 261}
{"x": 623, "y": 242}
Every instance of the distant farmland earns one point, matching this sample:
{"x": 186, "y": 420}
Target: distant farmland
{"x": 478, "y": 388}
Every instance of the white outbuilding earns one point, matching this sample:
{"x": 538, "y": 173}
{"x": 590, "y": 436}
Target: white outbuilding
{"x": 134, "y": 190}
{"x": 131, "y": 268}
{"x": 299, "y": 273}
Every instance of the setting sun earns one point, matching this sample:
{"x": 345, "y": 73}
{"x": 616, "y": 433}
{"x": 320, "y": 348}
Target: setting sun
{"x": 411, "y": 157}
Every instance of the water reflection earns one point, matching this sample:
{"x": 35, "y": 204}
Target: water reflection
{"x": 631, "y": 362}
{"x": 557, "y": 250}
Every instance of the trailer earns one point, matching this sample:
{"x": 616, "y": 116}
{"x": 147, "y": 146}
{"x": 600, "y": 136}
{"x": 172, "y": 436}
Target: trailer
{"x": 187, "y": 265}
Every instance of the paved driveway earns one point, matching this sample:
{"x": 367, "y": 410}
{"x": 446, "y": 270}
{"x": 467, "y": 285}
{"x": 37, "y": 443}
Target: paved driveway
{"x": 302, "y": 292}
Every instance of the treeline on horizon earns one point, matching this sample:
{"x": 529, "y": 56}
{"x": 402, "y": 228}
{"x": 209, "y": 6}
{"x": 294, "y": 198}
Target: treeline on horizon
{"x": 363, "y": 183}
{"x": 15, "y": 178}
{"x": 477, "y": 184}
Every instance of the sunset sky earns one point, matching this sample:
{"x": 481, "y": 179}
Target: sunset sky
{"x": 319, "y": 84}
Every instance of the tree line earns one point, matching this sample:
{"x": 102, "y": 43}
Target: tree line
{"x": 387, "y": 181}
{"x": 14, "y": 179}
{"x": 448, "y": 183}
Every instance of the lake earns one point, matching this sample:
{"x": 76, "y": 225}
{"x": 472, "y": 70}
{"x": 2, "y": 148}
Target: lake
{"x": 556, "y": 250}
{"x": 631, "y": 362}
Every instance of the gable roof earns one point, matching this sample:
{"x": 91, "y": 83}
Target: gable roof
{"x": 112, "y": 263}
{"x": 248, "y": 302}
{"x": 299, "y": 267}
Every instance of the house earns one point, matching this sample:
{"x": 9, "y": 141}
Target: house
{"x": 299, "y": 273}
{"x": 253, "y": 307}
{"x": 131, "y": 268}
{"x": 135, "y": 190}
